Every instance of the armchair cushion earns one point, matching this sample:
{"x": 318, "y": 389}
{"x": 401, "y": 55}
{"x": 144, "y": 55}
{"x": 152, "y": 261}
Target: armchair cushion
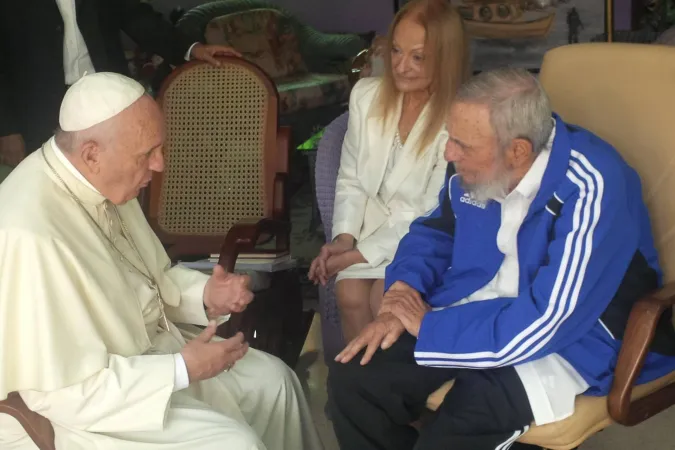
{"x": 263, "y": 36}
{"x": 590, "y": 416}
{"x": 312, "y": 90}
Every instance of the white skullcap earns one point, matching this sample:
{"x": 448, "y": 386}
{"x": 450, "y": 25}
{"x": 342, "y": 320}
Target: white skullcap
{"x": 96, "y": 98}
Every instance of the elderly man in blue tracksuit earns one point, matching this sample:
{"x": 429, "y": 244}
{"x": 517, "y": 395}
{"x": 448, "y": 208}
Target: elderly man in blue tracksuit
{"x": 518, "y": 285}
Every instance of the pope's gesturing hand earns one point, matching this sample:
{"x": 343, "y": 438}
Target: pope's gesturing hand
{"x": 205, "y": 359}
{"x": 226, "y": 293}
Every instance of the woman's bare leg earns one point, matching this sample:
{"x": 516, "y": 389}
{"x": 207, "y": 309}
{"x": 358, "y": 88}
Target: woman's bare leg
{"x": 376, "y": 294}
{"x": 353, "y": 299}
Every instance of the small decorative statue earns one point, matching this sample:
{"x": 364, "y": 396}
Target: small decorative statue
{"x": 574, "y": 24}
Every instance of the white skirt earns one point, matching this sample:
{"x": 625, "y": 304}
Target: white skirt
{"x": 366, "y": 271}
{"x": 363, "y": 271}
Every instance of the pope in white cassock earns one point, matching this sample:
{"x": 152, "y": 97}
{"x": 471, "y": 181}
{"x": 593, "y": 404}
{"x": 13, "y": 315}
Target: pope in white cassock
{"x": 89, "y": 302}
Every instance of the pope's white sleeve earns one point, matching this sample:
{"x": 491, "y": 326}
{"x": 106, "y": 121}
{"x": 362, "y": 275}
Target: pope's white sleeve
{"x": 131, "y": 394}
{"x": 191, "y": 284}
{"x": 191, "y": 309}
{"x": 181, "y": 376}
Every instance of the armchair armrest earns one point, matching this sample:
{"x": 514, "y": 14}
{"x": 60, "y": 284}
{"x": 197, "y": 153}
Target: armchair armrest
{"x": 280, "y": 202}
{"x": 244, "y": 235}
{"x": 38, "y": 428}
{"x": 637, "y": 339}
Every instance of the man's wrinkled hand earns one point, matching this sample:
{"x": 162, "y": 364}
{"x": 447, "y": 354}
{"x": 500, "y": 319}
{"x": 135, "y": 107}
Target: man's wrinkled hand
{"x": 205, "y": 359}
{"x": 394, "y": 294}
{"x": 380, "y": 333}
{"x": 226, "y": 293}
{"x": 406, "y": 306}
{"x": 209, "y": 53}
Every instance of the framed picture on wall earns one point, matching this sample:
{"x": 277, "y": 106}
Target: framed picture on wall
{"x": 519, "y": 32}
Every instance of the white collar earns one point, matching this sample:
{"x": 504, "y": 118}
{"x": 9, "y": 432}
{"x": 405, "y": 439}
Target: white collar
{"x": 71, "y": 168}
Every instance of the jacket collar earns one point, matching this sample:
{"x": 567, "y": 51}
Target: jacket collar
{"x": 556, "y": 168}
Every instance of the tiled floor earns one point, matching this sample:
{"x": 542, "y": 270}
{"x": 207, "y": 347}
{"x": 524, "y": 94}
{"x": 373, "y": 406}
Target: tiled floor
{"x": 657, "y": 433}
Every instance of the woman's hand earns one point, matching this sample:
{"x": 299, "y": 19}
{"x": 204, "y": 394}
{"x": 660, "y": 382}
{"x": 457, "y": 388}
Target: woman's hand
{"x": 341, "y": 244}
{"x": 319, "y": 270}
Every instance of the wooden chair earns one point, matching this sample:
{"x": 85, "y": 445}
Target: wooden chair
{"x": 226, "y": 160}
{"x": 624, "y": 93}
{"x": 222, "y": 189}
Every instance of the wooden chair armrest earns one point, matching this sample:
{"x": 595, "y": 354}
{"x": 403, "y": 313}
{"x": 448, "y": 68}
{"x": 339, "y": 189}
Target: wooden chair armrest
{"x": 638, "y": 337}
{"x": 244, "y": 235}
{"x": 283, "y": 147}
{"x": 280, "y": 209}
{"x": 38, "y": 428}
{"x": 280, "y": 202}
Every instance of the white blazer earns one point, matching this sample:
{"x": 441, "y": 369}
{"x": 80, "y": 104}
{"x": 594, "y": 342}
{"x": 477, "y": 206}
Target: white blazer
{"x": 376, "y": 210}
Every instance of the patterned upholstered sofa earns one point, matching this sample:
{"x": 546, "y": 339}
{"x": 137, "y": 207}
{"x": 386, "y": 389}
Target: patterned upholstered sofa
{"x": 309, "y": 68}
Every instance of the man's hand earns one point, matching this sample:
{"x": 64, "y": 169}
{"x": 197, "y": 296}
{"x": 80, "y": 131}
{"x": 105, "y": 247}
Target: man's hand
{"x": 12, "y": 149}
{"x": 380, "y": 333}
{"x": 226, "y": 293}
{"x": 394, "y": 293}
{"x": 208, "y": 53}
{"x": 406, "y": 304}
{"x": 319, "y": 270}
{"x": 205, "y": 359}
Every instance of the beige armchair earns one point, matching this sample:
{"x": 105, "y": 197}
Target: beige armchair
{"x": 625, "y": 94}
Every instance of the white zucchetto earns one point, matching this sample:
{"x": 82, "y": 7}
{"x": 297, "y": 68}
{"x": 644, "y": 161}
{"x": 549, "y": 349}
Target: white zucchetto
{"x": 96, "y": 98}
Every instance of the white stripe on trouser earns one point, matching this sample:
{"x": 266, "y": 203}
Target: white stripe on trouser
{"x": 509, "y": 442}
{"x": 578, "y": 248}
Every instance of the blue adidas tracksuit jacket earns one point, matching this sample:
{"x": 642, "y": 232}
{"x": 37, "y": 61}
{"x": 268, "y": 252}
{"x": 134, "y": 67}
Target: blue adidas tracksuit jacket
{"x": 586, "y": 254}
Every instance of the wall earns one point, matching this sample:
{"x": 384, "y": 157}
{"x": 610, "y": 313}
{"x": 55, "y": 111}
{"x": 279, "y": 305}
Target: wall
{"x": 325, "y": 15}
{"x": 355, "y": 16}
{"x": 622, "y": 14}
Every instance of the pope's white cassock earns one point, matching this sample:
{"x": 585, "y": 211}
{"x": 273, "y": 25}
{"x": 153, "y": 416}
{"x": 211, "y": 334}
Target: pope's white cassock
{"x": 84, "y": 341}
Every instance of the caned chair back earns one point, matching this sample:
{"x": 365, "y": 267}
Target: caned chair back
{"x": 221, "y": 153}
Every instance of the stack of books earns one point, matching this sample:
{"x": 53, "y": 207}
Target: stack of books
{"x": 259, "y": 261}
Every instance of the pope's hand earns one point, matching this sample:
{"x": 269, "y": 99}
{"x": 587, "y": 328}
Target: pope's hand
{"x": 226, "y": 293}
{"x": 205, "y": 359}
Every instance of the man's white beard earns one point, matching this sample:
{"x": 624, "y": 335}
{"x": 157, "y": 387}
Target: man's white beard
{"x": 496, "y": 189}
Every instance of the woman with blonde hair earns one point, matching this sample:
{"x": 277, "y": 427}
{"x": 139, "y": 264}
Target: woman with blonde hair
{"x": 392, "y": 166}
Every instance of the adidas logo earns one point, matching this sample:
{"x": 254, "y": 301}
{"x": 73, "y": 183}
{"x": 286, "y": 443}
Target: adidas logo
{"x": 466, "y": 198}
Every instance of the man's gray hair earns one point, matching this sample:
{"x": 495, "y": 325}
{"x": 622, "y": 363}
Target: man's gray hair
{"x": 519, "y": 107}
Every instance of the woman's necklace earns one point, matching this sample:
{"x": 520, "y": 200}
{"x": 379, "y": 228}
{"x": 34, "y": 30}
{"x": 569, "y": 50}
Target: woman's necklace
{"x": 147, "y": 275}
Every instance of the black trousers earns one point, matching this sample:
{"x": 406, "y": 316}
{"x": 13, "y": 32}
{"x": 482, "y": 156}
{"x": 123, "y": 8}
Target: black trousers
{"x": 373, "y": 405}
